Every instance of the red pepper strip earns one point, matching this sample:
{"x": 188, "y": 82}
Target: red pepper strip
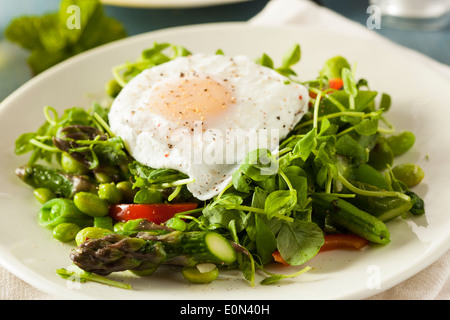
{"x": 336, "y": 83}
{"x": 343, "y": 241}
{"x": 156, "y": 213}
{"x": 278, "y": 258}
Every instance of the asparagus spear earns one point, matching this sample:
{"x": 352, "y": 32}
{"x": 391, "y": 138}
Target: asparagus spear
{"x": 61, "y": 183}
{"x": 115, "y": 252}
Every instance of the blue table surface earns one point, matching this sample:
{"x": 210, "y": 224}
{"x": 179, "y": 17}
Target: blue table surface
{"x": 14, "y": 70}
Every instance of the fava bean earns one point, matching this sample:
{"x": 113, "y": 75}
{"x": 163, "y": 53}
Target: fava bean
{"x": 401, "y": 143}
{"x": 409, "y": 173}
{"x": 90, "y": 233}
{"x": 65, "y": 231}
{"x": 118, "y": 226}
{"x": 102, "y": 177}
{"x": 43, "y": 194}
{"x": 193, "y": 275}
{"x": 176, "y": 224}
{"x": 70, "y": 165}
{"x": 91, "y": 204}
{"x": 128, "y": 193}
{"x": 110, "y": 193}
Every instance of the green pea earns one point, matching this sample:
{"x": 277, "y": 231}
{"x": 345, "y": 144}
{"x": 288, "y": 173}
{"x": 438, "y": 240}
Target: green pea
{"x": 43, "y": 194}
{"x": 409, "y": 173}
{"x": 193, "y": 275}
{"x": 401, "y": 143}
{"x": 65, "y": 231}
{"x": 70, "y": 165}
{"x": 91, "y": 204}
{"x": 148, "y": 196}
{"x": 90, "y": 233}
{"x": 110, "y": 193}
{"x": 128, "y": 193}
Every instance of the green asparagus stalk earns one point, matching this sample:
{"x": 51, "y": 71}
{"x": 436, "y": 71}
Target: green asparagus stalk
{"x": 353, "y": 219}
{"x": 60, "y": 183}
{"x": 115, "y": 252}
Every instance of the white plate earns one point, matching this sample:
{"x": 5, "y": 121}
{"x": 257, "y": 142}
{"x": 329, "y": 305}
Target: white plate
{"x": 420, "y": 99}
{"x": 169, "y": 3}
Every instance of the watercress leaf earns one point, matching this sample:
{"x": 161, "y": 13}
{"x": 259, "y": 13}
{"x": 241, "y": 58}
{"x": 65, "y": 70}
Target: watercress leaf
{"x": 349, "y": 82}
{"x": 299, "y": 181}
{"x": 265, "y": 61}
{"x": 259, "y": 164}
{"x": 304, "y": 147}
{"x": 111, "y": 152}
{"x": 22, "y": 143}
{"x": 259, "y": 198}
{"x": 292, "y": 56}
{"x": 266, "y": 242}
{"x": 385, "y": 102}
{"x": 347, "y": 146}
{"x": 324, "y": 126}
{"x": 299, "y": 241}
{"x": 221, "y": 212}
{"x": 280, "y": 202}
{"x": 287, "y": 72}
{"x": 367, "y": 127}
{"x": 239, "y": 182}
{"x": 180, "y": 51}
{"x": 332, "y": 68}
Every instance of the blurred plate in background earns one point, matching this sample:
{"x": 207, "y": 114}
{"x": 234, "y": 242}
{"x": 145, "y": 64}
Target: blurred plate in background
{"x": 168, "y": 3}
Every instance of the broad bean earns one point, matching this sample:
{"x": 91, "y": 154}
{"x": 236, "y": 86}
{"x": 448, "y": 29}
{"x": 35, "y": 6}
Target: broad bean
{"x": 409, "y": 173}
{"x": 66, "y": 231}
{"x": 90, "y": 233}
{"x": 110, "y": 193}
{"x": 401, "y": 143}
{"x": 91, "y": 204}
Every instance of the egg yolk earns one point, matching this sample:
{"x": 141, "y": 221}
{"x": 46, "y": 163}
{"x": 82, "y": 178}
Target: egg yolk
{"x": 187, "y": 99}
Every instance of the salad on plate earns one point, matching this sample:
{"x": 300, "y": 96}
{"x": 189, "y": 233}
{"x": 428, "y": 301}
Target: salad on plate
{"x": 209, "y": 162}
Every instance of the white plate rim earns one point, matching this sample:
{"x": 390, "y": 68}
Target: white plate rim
{"x": 46, "y": 286}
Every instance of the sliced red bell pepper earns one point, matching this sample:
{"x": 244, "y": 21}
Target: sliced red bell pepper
{"x": 278, "y": 258}
{"x": 157, "y": 213}
{"x": 336, "y": 83}
{"x": 343, "y": 241}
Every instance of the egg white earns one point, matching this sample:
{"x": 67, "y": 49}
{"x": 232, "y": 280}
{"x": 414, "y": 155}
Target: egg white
{"x": 263, "y": 108}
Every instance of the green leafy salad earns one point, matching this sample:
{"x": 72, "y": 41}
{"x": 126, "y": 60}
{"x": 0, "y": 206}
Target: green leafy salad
{"x": 334, "y": 186}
